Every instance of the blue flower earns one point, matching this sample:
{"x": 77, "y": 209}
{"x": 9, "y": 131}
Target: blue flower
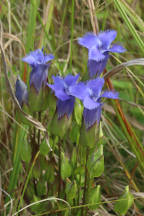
{"x": 99, "y": 47}
{"x": 21, "y": 92}
{"x": 91, "y": 95}
{"x": 38, "y": 61}
{"x": 62, "y": 88}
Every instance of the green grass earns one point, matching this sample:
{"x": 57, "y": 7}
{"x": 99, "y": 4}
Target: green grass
{"x": 28, "y": 173}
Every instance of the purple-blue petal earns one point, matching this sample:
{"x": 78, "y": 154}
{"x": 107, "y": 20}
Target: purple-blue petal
{"x": 37, "y": 57}
{"x": 38, "y": 76}
{"x": 96, "y": 85}
{"x": 96, "y": 68}
{"x": 117, "y": 48}
{"x": 107, "y": 37}
{"x": 62, "y": 86}
{"x": 103, "y": 63}
{"x": 59, "y": 82}
{"x": 88, "y": 40}
{"x": 98, "y": 113}
{"x": 29, "y": 59}
{"x": 65, "y": 107}
{"x": 89, "y": 103}
{"x": 48, "y": 58}
{"x": 95, "y": 54}
{"x": 51, "y": 86}
{"x": 78, "y": 90}
{"x": 61, "y": 95}
{"x": 92, "y": 116}
{"x": 70, "y": 79}
{"x": 34, "y": 58}
{"x": 110, "y": 94}
{"x": 21, "y": 92}
{"x": 93, "y": 68}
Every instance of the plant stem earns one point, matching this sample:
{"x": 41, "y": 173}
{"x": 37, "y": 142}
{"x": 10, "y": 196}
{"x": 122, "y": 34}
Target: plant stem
{"x": 59, "y": 170}
{"x": 39, "y": 118}
{"x": 93, "y": 17}
{"x": 79, "y": 189}
{"x": 28, "y": 178}
{"x": 84, "y": 212}
{"x": 72, "y": 31}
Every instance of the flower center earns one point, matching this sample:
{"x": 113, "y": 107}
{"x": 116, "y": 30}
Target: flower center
{"x": 92, "y": 95}
{"x": 95, "y": 98}
{"x": 66, "y": 89}
{"x": 99, "y": 44}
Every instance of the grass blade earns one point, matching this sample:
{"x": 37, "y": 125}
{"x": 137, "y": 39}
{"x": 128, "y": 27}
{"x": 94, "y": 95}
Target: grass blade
{"x": 31, "y": 25}
{"x": 132, "y": 14}
{"x": 129, "y": 24}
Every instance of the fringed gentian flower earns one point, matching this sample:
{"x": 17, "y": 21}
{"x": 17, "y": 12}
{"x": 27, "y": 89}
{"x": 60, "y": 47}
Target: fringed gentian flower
{"x": 38, "y": 61}
{"x": 99, "y": 47}
{"x": 62, "y": 88}
{"x": 21, "y": 92}
{"x": 91, "y": 95}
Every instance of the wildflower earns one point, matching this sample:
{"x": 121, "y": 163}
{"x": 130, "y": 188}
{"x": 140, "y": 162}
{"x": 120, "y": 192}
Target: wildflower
{"x": 21, "y": 92}
{"x": 91, "y": 95}
{"x": 62, "y": 88}
{"x": 99, "y": 47}
{"x": 38, "y": 61}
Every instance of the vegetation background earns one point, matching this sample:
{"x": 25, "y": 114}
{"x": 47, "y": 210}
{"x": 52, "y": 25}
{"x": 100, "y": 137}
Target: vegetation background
{"x": 56, "y": 25}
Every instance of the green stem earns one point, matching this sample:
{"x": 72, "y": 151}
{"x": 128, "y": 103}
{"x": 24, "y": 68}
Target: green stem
{"x": 84, "y": 212}
{"x": 59, "y": 170}
{"x": 79, "y": 189}
{"x": 27, "y": 180}
{"x": 39, "y": 118}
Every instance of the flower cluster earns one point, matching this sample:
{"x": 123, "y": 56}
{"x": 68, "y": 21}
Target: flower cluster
{"x": 38, "y": 76}
{"x": 62, "y": 88}
{"x": 91, "y": 96}
{"x": 68, "y": 88}
{"x": 99, "y": 47}
{"x": 38, "y": 61}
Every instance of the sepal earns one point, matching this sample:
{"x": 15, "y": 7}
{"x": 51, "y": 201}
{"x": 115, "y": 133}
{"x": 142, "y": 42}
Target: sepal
{"x": 40, "y": 101}
{"x": 59, "y": 127}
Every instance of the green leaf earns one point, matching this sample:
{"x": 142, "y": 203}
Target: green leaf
{"x": 21, "y": 118}
{"x": 44, "y": 148}
{"x": 79, "y": 170}
{"x": 50, "y": 174}
{"x": 98, "y": 168}
{"x": 124, "y": 203}
{"x": 74, "y": 157}
{"x": 75, "y": 133}
{"x": 78, "y": 111}
{"x": 66, "y": 169}
{"x": 96, "y": 162}
{"x": 36, "y": 172}
{"x": 41, "y": 188}
{"x": 94, "y": 197}
{"x": 71, "y": 191}
{"x": 26, "y": 151}
{"x": 30, "y": 190}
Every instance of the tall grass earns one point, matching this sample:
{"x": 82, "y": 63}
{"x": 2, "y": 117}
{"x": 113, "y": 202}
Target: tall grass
{"x": 55, "y": 25}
